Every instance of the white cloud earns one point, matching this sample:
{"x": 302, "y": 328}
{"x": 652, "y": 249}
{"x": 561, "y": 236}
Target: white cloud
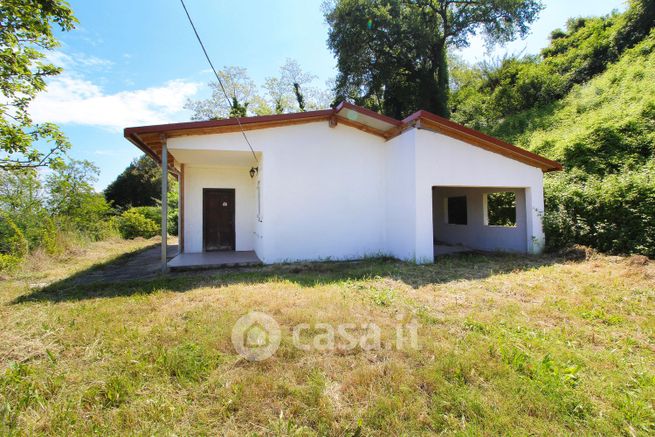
{"x": 75, "y": 100}
{"x": 106, "y": 152}
{"x": 76, "y": 96}
{"x": 76, "y": 60}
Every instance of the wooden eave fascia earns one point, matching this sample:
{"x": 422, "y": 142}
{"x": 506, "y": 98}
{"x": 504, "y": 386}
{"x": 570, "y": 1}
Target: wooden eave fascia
{"x": 431, "y": 122}
{"x": 151, "y": 151}
{"x": 147, "y": 139}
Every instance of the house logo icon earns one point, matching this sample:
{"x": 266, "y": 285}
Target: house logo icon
{"x": 256, "y": 336}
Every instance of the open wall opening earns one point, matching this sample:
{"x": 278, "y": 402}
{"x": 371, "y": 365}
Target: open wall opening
{"x": 478, "y": 218}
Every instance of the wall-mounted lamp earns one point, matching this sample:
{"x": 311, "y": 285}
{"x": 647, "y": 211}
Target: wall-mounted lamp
{"x": 254, "y": 171}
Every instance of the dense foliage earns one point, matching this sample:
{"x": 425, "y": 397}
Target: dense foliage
{"x": 26, "y": 30}
{"x": 587, "y": 101}
{"x": 392, "y": 54}
{"x": 55, "y": 211}
{"x": 137, "y": 192}
{"x": 50, "y": 212}
{"x": 486, "y": 96}
{"x": 133, "y": 223}
{"x": 501, "y": 208}
{"x": 138, "y": 185}
{"x": 145, "y": 221}
{"x": 613, "y": 214}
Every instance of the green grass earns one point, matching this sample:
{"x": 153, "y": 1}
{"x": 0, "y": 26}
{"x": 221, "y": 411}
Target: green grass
{"x": 508, "y": 345}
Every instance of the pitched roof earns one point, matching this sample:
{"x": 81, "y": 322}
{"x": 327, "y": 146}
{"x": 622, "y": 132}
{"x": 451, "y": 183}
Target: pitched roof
{"x": 430, "y": 121}
{"x": 149, "y": 138}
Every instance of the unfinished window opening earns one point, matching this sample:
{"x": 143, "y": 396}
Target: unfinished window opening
{"x": 500, "y": 209}
{"x": 456, "y": 213}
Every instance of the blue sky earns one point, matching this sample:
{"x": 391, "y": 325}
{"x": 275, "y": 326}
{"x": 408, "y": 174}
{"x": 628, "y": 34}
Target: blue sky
{"x": 136, "y": 62}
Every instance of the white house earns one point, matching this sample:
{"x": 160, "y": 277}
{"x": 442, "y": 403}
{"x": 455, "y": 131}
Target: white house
{"x": 346, "y": 183}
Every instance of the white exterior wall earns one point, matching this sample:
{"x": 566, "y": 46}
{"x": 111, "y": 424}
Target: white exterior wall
{"x": 340, "y": 193}
{"x": 323, "y": 191}
{"x": 475, "y": 234}
{"x": 198, "y": 177}
{"x": 258, "y": 235}
{"x": 324, "y": 194}
{"x": 401, "y": 198}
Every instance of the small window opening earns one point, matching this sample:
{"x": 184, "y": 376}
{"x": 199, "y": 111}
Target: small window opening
{"x": 500, "y": 209}
{"x": 456, "y": 213}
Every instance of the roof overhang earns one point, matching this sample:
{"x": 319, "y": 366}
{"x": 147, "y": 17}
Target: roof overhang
{"x": 150, "y": 138}
{"x": 366, "y": 120}
{"x": 429, "y": 121}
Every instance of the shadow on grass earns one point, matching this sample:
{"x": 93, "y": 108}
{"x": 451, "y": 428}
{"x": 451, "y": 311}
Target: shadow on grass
{"x": 466, "y": 266}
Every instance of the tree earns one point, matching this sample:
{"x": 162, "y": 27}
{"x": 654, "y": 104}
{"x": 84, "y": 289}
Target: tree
{"x": 392, "y": 54}
{"x": 26, "y": 30}
{"x": 72, "y": 199}
{"x": 300, "y": 99}
{"x": 639, "y": 21}
{"x": 292, "y": 90}
{"x": 138, "y": 185}
{"x": 295, "y": 78}
{"x": 70, "y": 186}
{"x": 240, "y": 89}
{"x": 20, "y": 191}
{"x": 278, "y": 94}
{"x": 23, "y": 205}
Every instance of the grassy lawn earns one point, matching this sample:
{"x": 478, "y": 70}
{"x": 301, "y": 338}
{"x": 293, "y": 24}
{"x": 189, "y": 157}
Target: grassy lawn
{"x": 508, "y": 345}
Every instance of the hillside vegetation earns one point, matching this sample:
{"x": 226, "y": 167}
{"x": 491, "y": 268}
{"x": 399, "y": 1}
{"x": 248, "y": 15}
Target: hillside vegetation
{"x": 604, "y": 133}
{"x": 587, "y": 101}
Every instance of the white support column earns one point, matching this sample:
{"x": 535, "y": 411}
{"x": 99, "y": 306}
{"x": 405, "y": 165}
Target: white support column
{"x": 424, "y": 238}
{"x": 164, "y": 203}
{"x": 534, "y": 210}
{"x": 180, "y": 210}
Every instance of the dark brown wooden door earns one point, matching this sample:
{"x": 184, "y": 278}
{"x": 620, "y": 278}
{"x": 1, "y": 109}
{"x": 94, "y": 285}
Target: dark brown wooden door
{"x": 218, "y": 219}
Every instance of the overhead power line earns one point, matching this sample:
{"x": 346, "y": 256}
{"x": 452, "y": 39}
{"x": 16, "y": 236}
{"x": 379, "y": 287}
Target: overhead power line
{"x": 220, "y": 82}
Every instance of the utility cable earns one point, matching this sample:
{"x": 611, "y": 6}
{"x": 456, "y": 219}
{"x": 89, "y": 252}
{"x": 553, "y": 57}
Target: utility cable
{"x": 220, "y": 82}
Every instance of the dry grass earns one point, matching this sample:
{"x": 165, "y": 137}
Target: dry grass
{"x": 508, "y": 346}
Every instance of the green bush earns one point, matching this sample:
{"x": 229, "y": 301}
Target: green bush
{"x": 610, "y": 147}
{"x": 9, "y": 263}
{"x": 51, "y": 241}
{"x": 150, "y": 212}
{"x": 172, "y": 221}
{"x": 12, "y": 240}
{"x": 154, "y": 213}
{"x": 91, "y": 219}
{"x": 103, "y": 230}
{"x": 132, "y": 224}
{"x": 613, "y": 214}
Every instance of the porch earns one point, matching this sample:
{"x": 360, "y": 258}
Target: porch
{"x": 212, "y": 260}
{"x": 217, "y": 202}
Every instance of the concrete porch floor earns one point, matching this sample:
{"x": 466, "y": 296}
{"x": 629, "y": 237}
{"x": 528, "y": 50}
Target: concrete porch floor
{"x": 210, "y": 260}
{"x": 443, "y": 249}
